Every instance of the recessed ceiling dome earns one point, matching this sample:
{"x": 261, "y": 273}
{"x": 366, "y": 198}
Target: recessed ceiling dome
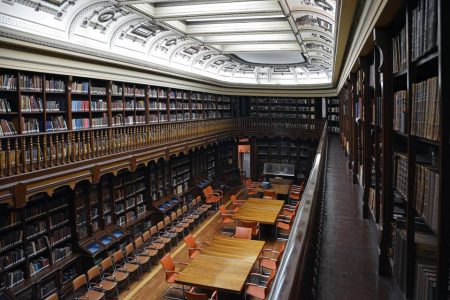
{"x": 289, "y": 42}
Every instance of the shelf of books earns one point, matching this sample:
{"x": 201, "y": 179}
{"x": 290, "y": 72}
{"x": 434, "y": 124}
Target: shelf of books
{"x": 332, "y": 105}
{"x": 400, "y": 86}
{"x": 294, "y": 108}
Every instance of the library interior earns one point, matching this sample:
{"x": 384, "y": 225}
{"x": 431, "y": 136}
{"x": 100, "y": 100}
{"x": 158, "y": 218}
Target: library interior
{"x": 224, "y": 149}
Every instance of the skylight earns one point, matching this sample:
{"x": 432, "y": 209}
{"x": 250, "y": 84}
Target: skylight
{"x": 285, "y": 42}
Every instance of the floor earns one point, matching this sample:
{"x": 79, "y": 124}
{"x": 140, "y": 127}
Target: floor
{"x": 349, "y": 257}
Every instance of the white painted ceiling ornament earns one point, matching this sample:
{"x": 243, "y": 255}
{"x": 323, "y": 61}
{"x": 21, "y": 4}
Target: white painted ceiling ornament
{"x": 287, "y": 42}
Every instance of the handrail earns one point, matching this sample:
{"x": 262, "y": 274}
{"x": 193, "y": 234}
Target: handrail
{"x": 290, "y": 278}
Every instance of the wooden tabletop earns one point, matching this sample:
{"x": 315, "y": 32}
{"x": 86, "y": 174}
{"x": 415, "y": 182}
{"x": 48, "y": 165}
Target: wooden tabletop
{"x": 259, "y": 210}
{"x": 223, "y": 265}
{"x": 280, "y": 189}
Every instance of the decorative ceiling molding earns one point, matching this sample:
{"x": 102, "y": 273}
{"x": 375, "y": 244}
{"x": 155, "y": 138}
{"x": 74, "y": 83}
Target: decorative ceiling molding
{"x": 134, "y": 30}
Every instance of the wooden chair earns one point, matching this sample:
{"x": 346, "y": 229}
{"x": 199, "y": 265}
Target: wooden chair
{"x": 200, "y": 207}
{"x": 243, "y": 233}
{"x": 121, "y": 264}
{"x": 151, "y": 244}
{"x": 109, "y": 272}
{"x": 256, "y": 232}
{"x": 226, "y": 219}
{"x": 179, "y": 224}
{"x": 143, "y": 261}
{"x": 53, "y": 296}
{"x": 190, "y": 215}
{"x": 171, "y": 231}
{"x": 94, "y": 277}
{"x": 185, "y": 220}
{"x": 270, "y": 259}
{"x": 193, "y": 295}
{"x": 260, "y": 285}
{"x": 168, "y": 265}
{"x": 193, "y": 248}
{"x": 270, "y": 194}
{"x": 165, "y": 236}
{"x": 82, "y": 290}
{"x": 143, "y": 250}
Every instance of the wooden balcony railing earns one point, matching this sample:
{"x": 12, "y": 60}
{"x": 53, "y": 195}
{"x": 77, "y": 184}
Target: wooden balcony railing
{"x": 285, "y": 126}
{"x": 23, "y": 154}
{"x": 294, "y": 279}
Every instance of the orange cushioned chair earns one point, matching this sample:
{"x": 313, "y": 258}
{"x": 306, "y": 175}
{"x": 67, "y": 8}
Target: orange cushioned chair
{"x": 284, "y": 223}
{"x": 168, "y": 265}
{"x": 193, "y": 247}
{"x": 243, "y": 233}
{"x": 109, "y": 272}
{"x": 122, "y": 264}
{"x": 236, "y": 202}
{"x": 270, "y": 259}
{"x": 213, "y": 197}
{"x": 250, "y": 187}
{"x": 226, "y": 219}
{"x": 193, "y": 295}
{"x": 270, "y": 194}
{"x": 83, "y": 291}
{"x": 260, "y": 286}
{"x": 290, "y": 210}
{"x": 256, "y": 232}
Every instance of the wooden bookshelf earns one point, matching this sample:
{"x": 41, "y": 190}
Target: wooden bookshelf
{"x": 292, "y": 108}
{"x": 400, "y": 141}
{"x": 332, "y": 113}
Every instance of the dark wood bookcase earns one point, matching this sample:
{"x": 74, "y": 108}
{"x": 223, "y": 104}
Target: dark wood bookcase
{"x": 394, "y": 125}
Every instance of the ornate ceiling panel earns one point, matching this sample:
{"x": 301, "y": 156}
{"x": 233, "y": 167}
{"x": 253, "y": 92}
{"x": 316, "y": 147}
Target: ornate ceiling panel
{"x": 197, "y": 37}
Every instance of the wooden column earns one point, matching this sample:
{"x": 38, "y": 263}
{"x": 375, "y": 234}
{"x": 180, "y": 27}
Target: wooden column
{"x": 383, "y": 41}
{"x": 377, "y": 93}
{"x": 353, "y": 126}
{"x": 443, "y": 233}
{"x": 366, "y": 138}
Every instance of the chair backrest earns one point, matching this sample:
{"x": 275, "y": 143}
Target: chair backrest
{"x": 247, "y": 224}
{"x": 167, "y": 262}
{"x": 281, "y": 250}
{"x": 173, "y": 216}
{"x": 206, "y": 192}
{"x": 243, "y": 233}
{"x": 160, "y": 225}
{"x": 146, "y": 236}
{"x": 184, "y": 209}
{"x": 79, "y": 282}
{"x": 233, "y": 198}
{"x": 179, "y": 212}
{"x": 139, "y": 243}
{"x": 190, "y": 241}
{"x": 192, "y": 295}
{"x": 118, "y": 256}
{"x": 106, "y": 264}
{"x": 154, "y": 230}
{"x": 53, "y": 296}
{"x": 129, "y": 249}
{"x": 222, "y": 209}
{"x": 167, "y": 221}
{"x": 198, "y": 200}
{"x": 93, "y": 273}
{"x": 271, "y": 194}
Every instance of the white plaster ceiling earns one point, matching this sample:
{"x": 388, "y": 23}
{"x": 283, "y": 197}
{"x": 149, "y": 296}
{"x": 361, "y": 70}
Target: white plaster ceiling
{"x": 286, "y": 42}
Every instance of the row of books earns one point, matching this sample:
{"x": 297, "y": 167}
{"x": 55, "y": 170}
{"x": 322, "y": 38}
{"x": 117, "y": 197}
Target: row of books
{"x": 9, "y": 219}
{"x": 31, "y": 82}
{"x": 282, "y": 101}
{"x": 99, "y": 105}
{"x": 58, "y": 218}
{"x": 10, "y": 239}
{"x": 80, "y": 87}
{"x": 14, "y": 278}
{"x": 53, "y": 105}
{"x": 4, "y": 106}
{"x": 116, "y": 90}
{"x": 82, "y": 123}
{"x": 37, "y": 265}
{"x": 61, "y": 253}
{"x": 80, "y": 105}
{"x": 55, "y": 85}
{"x": 424, "y": 28}
{"x": 425, "y": 109}
{"x": 8, "y": 81}
{"x": 97, "y": 90}
{"x": 56, "y": 124}
{"x": 425, "y": 282}
{"x": 401, "y": 174}
{"x": 31, "y": 103}
{"x": 333, "y": 109}
{"x": 427, "y": 194}
{"x": 29, "y": 125}
{"x": 399, "y": 123}
{"x": 100, "y": 121}
{"x": 37, "y": 245}
{"x": 34, "y": 228}
{"x": 158, "y": 105}
{"x": 7, "y": 128}
{"x": 154, "y": 93}
{"x": 59, "y": 234}
{"x": 399, "y": 51}
{"x": 11, "y": 258}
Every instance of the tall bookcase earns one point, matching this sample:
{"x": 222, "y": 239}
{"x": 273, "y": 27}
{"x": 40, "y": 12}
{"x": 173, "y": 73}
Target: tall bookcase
{"x": 332, "y": 111}
{"x": 402, "y": 141}
{"x": 294, "y": 108}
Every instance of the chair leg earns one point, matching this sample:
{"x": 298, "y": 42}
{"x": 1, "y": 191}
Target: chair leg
{"x": 175, "y": 288}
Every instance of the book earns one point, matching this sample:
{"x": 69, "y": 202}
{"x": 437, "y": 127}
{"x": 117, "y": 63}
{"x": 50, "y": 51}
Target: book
{"x": 399, "y": 51}
{"x": 425, "y": 109}
{"x": 4, "y": 105}
{"x": 424, "y": 28}
{"x": 55, "y": 85}
{"x": 31, "y": 103}
{"x": 8, "y": 82}
{"x": 399, "y": 123}
{"x": 31, "y": 82}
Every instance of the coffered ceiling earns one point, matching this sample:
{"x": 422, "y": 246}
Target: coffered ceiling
{"x": 248, "y": 42}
